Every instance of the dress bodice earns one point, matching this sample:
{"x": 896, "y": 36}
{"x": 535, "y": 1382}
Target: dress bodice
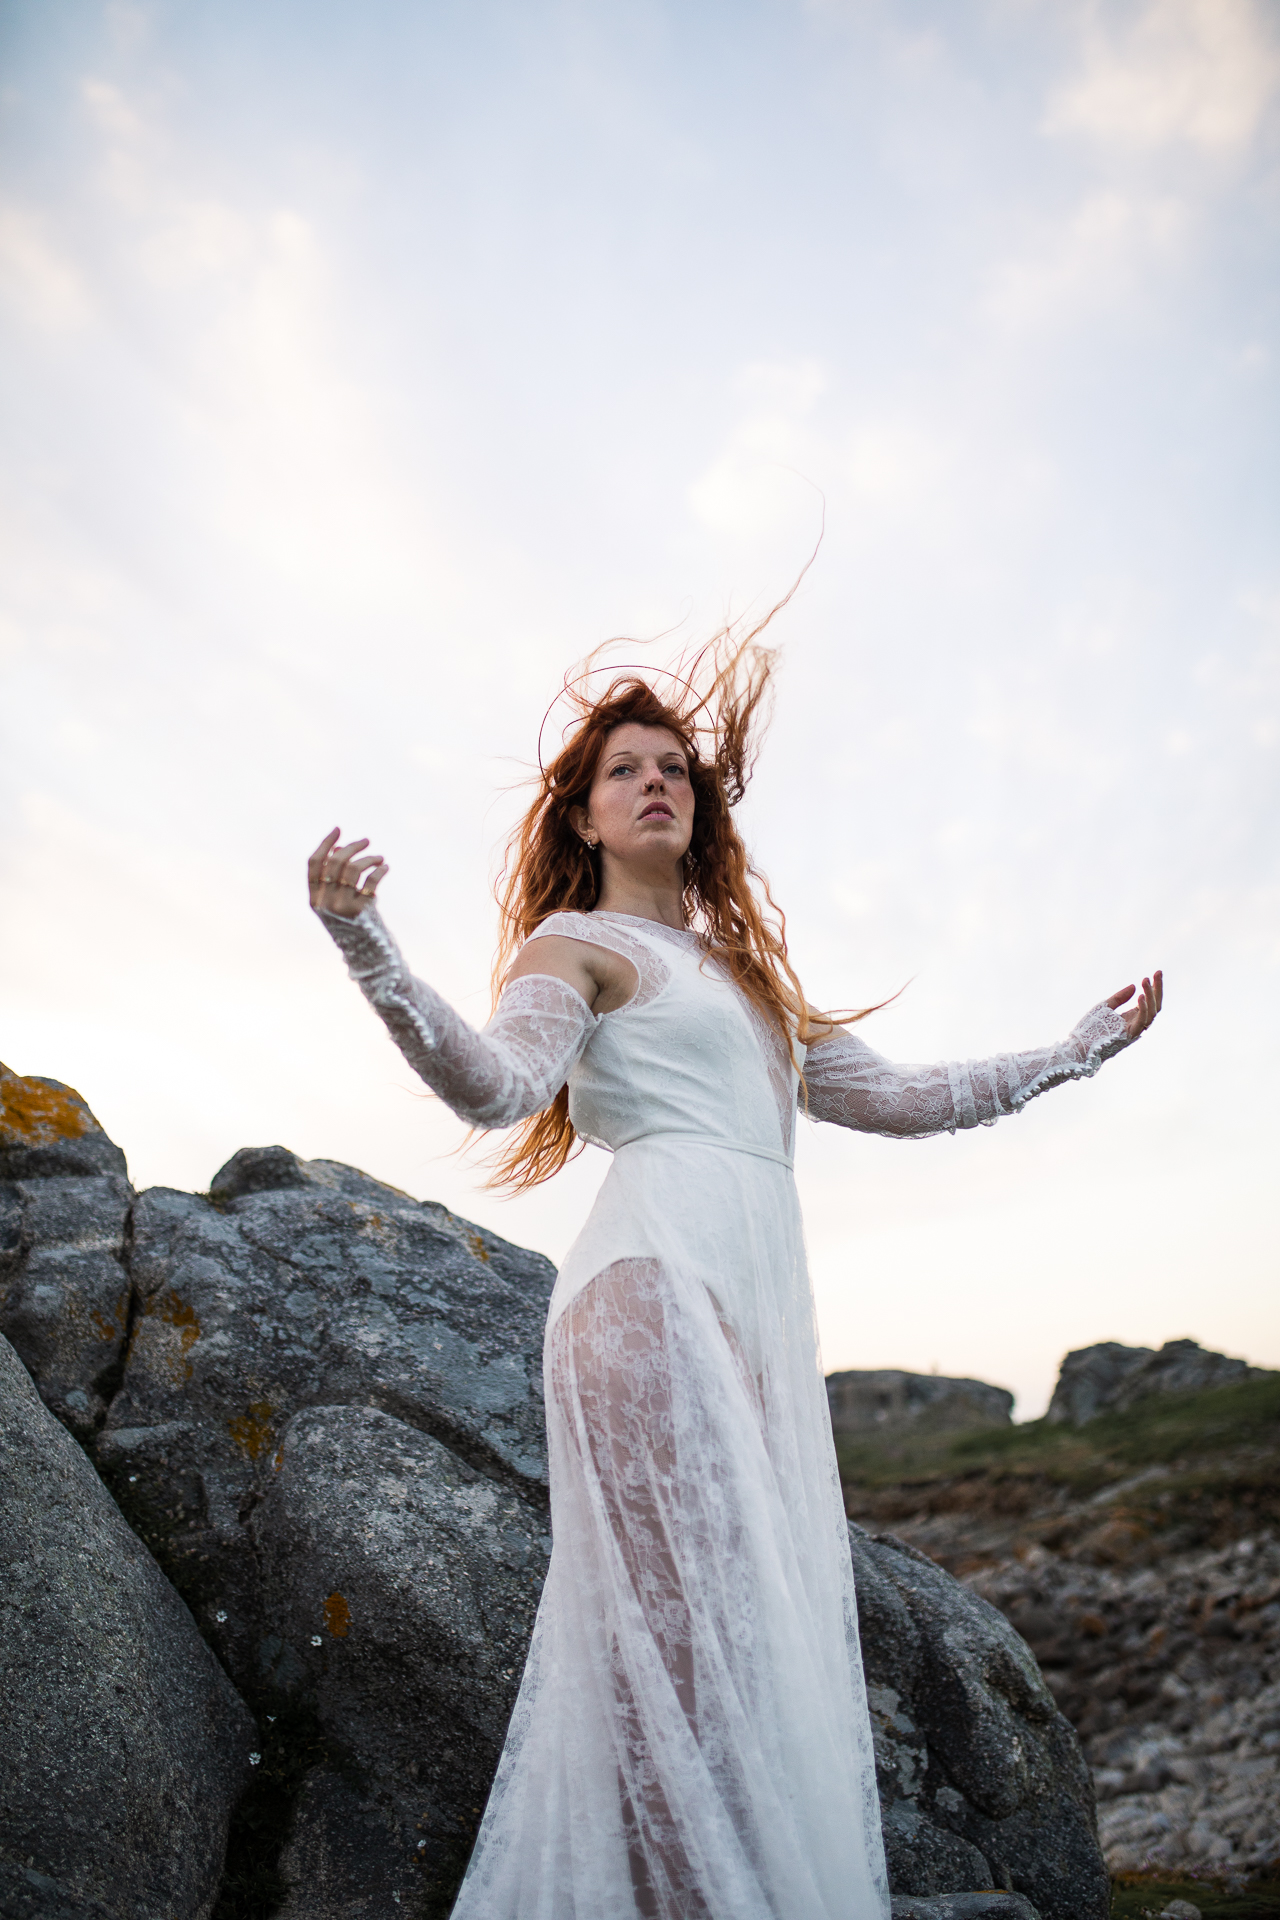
{"x": 688, "y": 1055}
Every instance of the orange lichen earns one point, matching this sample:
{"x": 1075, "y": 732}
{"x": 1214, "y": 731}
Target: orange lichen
{"x": 337, "y": 1616}
{"x": 113, "y": 1328}
{"x": 32, "y": 1113}
{"x": 252, "y": 1429}
{"x": 175, "y": 1312}
{"x": 478, "y": 1247}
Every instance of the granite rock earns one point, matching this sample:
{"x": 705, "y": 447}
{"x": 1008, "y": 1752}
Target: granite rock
{"x": 126, "y": 1747}
{"x": 64, "y": 1219}
{"x": 400, "y": 1589}
{"x": 982, "y": 1780}
{"x": 991, "y": 1905}
{"x": 297, "y": 1284}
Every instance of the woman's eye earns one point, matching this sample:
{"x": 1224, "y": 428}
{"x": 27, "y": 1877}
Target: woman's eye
{"x": 622, "y": 767}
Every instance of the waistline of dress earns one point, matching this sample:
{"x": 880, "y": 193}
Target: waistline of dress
{"x": 711, "y": 1140}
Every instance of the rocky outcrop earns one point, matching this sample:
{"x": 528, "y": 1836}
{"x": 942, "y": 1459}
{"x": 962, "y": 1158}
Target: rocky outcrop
{"x": 64, "y": 1209}
{"x": 982, "y": 1781}
{"x": 1109, "y": 1378}
{"x": 319, "y": 1406}
{"x": 1172, "y": 1674}
{"x": 325, "y": 1374}
{"x": 300, "y": 1284}
{"x": 125, "y": 1745}
{"x": 887, "y": 1400}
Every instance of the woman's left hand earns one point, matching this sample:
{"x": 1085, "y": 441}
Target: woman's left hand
{"x": 1139, "y": 1016}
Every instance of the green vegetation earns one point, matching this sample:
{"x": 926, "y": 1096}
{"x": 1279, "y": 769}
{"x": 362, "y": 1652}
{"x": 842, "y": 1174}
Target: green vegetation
{"x": 1187, "y": 1431}
{"x": 1137, "y": 1895}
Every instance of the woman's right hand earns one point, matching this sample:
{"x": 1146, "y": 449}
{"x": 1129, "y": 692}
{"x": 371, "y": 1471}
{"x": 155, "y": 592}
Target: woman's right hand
{"x": 341, "y": 882}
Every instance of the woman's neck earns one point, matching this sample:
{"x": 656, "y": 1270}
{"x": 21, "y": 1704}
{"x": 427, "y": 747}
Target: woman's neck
{"x": 643, "y": 896}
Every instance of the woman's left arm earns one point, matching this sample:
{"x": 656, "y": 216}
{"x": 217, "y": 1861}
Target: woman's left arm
{"x": 853, "y": 1086}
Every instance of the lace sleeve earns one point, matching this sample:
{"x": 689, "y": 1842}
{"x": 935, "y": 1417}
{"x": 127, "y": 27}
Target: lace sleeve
{"x": 846, "y": 1082}
{"x": 508, "y": 1070}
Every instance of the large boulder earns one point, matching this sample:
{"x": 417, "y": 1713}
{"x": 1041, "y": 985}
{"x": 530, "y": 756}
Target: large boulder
{"x": 1110, "y": 1378}
{"x": 125, "y": 1745}
{"x": 982, "y": 1781}
{"x": 64, "y": 1212}
{"x": 298, "y": 1284}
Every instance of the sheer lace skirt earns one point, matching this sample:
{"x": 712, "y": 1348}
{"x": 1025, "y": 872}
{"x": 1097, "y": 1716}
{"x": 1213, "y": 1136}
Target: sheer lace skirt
{"x": 691, "y": 1735}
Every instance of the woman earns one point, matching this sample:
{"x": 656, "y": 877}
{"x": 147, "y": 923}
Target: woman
{"x": 691, "y": 1739}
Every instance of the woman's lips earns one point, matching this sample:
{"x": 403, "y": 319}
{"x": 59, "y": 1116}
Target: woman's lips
{"x": 657, "y": 813}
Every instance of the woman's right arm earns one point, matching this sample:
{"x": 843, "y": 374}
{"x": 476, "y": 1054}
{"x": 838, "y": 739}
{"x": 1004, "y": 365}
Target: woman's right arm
{"x": 491, "y": 1077}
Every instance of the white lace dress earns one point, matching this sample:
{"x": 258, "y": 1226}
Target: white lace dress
{"x": 691, "y": 1738}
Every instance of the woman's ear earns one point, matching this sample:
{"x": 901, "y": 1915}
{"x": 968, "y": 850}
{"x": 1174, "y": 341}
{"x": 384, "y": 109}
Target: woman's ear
{"x": 578, "y": 820}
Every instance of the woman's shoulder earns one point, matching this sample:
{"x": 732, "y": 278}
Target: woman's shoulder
{"x": 569, "y": 925}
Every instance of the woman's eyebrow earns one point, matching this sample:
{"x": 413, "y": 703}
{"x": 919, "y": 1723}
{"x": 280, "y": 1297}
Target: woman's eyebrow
{"x": 622, "y": 753}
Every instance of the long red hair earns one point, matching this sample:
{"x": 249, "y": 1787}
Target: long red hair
{"x": 718, "y": 718}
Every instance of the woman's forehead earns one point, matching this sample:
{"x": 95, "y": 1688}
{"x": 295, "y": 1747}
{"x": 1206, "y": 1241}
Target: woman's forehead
{"x": 637, "y": 736}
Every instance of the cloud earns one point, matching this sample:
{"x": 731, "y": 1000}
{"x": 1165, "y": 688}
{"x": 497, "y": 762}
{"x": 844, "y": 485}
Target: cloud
{"x": 36, "y": 280}
{"x": 784, "y": 433}
{"x": 1196, "y": 73}
{"x": 1093, "y": 258}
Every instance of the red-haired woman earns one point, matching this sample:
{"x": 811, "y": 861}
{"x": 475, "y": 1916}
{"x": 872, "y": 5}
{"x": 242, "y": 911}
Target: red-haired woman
{"x": 691, "y": 1739}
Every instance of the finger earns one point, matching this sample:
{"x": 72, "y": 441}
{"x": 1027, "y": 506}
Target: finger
{"x": 374, "y": 880}
{"x": 340, "y": 860}
{"x": 1121, "y": 994}
{"x": 315, "y": 865}
{"x": 356, "y": 867}
{"x": 1158, "y": 983}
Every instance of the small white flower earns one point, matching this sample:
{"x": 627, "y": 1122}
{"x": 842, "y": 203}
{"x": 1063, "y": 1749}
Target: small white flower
{"x": 396, "y": 1898}
{"x": 316, "y": 1640}
{"x": 271, "y": 1719}
{"x": 422, "y": 1846}
{"x": 132, "y": 1478}
{"x": 220, "y": 1615}
{"x": 254, "y": 1759}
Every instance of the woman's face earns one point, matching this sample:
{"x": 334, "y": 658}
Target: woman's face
{"x": 641, "y": 803}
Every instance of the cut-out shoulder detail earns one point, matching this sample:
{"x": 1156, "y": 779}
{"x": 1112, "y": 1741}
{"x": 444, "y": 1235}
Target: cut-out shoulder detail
{"x": 601, "y": 930}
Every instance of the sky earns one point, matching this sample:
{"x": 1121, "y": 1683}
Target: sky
{"x": 363, "y": 367}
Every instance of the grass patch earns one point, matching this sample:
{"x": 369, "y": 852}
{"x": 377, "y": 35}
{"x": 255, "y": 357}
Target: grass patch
{"x": 1163, "y": 1430}
{"x": 1134, "y": 1896}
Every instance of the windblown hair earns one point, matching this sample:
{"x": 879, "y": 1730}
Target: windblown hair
{"x": 548, "y": 868}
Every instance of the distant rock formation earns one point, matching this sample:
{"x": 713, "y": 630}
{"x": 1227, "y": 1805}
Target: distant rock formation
{"x": 1108, "y": 1378}
{"x": 888, "y": 1400}
{"x": 317, "y": 1403}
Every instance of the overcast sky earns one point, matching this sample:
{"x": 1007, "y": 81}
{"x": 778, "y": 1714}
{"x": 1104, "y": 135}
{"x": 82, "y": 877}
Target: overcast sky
{"x": 365, "y": 365}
